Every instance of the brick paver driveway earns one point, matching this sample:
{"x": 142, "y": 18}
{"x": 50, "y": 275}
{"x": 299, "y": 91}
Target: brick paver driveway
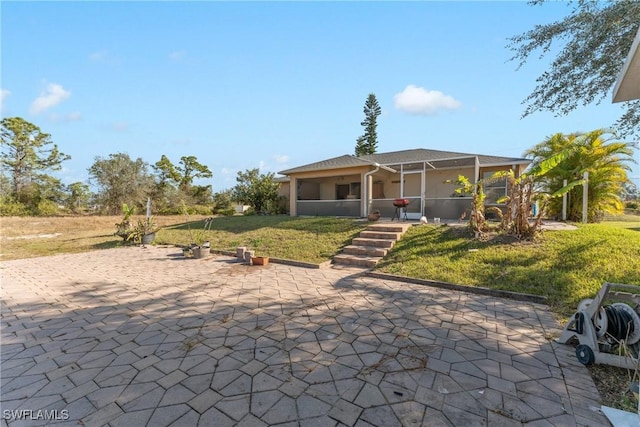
{"x": 142, "y": 336}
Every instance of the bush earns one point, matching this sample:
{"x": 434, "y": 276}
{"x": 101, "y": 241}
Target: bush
{"x": 222, "y": 204}
{"x": 169, "y": 210}
{"x": 47, "y": 208}
{"x": 200, "y": 210}
{"x": 283, "y": 205}
{"x": 230, "y": 211}
{"x": 9, "y": 207}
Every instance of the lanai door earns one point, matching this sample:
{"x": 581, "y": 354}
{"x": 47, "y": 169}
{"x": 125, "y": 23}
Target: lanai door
{"x": 412, "y": 190}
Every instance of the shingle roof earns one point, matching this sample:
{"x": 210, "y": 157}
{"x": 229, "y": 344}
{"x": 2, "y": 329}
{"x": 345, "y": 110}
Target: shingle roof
{"x": 424, "y": 155}
{"x": 340, "y": 162}
{"x": 403, "y": 156}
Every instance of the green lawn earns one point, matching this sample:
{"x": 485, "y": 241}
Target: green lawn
{"x": 565, "y": 266}
{"x": 313, "y": 240}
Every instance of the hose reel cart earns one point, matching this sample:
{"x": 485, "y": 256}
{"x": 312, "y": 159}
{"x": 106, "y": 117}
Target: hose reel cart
{"x": 607, "y": 333}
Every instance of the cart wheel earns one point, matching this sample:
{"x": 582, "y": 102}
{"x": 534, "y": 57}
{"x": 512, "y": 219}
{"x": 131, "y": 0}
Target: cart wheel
{"x": 585, "y": 354}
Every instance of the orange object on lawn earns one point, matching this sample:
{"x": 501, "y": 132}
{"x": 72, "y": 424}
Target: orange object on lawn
{"x": 260, "y": 260}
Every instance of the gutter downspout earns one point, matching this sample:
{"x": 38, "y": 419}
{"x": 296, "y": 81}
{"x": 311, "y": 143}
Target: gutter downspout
{"x": 477, "y": 169}
{"x": 366, "y": 188}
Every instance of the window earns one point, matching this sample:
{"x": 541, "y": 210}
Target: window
{"x": 348, "y": 191}
{"x": 494, "y": 189}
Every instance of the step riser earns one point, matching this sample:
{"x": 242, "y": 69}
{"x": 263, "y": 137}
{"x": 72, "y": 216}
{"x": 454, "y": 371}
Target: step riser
{"x": 346, "y": 260}
{"x": 365, "y": 250}
{"x": 388, "y": 228}
{"x": 359, "y": 241}
{"x": 380, "y": 235}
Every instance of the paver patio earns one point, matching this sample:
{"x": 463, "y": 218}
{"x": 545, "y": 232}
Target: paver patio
{"x": 144, "y": 337}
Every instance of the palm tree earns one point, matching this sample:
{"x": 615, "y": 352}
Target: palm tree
{"x": 595, "y": 152}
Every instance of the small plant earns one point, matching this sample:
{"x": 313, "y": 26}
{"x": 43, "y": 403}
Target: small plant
{"x": 142, "y": 228}
{"x": 477, "y": 220}
{"x": 256, "y": 243}
{"x": 199, "y": 237}
{"x": 124, "y": 228}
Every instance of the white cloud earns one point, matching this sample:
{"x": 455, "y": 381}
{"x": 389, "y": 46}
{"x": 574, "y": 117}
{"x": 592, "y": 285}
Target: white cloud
{"x": 74, "y": 116}
{"x": 418, "y": 100}
{"x": 227, "y": 171}
{"x": 177, "y": 55}
{"x": 99, "y": 56}
{"x": 4, "y": 94}
{"x": 281, "y": 158}
{"x": 52, "y": 96}
{"x": 181, "y": 141}
{"x": 70, "y": 117}
{"x": 120, "y": 126}
{"x": 103, "y": 57}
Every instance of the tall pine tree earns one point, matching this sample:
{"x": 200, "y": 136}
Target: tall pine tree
{"x": 368, "y": 143}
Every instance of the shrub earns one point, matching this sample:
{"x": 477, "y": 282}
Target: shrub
{"x": 632, "y": 206}
{"x": 47, "y": 208}
{"x": 200, "y": 210}
{"x": 283, "y": 205}
{"x": 230, "y": 211}
{"x": 222, "y": 203}
{"x": 9, "y": 207}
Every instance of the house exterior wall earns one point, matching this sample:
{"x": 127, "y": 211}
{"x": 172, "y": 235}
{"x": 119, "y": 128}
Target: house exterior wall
{"x": 283, "y": 189}
{"x": 314, "y": 192}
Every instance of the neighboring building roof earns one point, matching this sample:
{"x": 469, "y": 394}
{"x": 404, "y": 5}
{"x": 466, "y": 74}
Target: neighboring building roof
{"x": 627, "y": 87}
{"x": 404, "y": 156}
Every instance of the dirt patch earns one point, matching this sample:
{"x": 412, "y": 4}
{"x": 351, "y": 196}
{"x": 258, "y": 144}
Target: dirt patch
{"x": 34, "y": 236}
{"x": 613, "y": 385}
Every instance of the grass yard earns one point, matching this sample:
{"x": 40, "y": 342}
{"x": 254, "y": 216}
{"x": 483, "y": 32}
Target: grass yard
{"x": 565, "y": 266}
{"x": 27, "y": 237}
{"x": 313, "y": 240}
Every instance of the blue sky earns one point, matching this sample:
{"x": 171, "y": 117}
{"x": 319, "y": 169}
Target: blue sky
{"x": 274, "y": 85}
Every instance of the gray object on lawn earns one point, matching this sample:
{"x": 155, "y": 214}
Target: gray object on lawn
{"x": 587, "y": 323}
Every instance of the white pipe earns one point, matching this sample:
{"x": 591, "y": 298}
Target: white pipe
{"x": 564, "y": 202}
{"x": 366, "y": 188}
{"x": 585, "y": 196}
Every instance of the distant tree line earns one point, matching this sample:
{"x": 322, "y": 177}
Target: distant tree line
{"x": 27, "y": 187}
{"x": 29, "y": 157}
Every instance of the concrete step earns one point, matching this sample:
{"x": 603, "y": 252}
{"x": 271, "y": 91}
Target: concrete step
{"x": 364, "y": 250}
{"x": 389, "y": 227}
{"x": 372, "y": 245}
{"x": 356, "y": 260}
{"x": 387, "y": 235}
{"x": 378, "y": 243}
